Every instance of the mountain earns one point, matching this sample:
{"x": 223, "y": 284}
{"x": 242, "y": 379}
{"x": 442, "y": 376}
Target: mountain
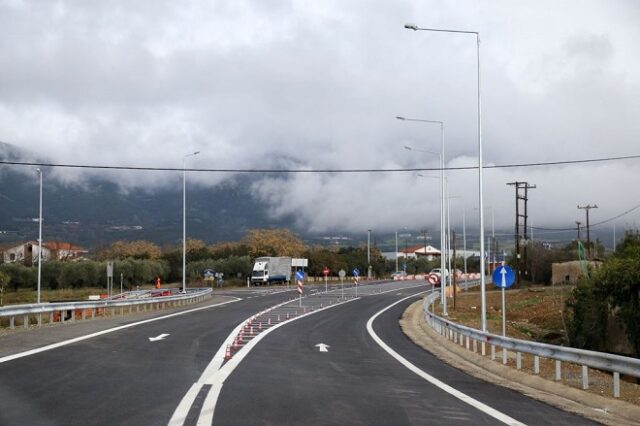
{"x": 99, "y": 212}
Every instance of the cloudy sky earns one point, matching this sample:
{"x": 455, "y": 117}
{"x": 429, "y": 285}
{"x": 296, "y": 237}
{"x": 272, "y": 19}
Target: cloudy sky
{"x": 316, "y": 85}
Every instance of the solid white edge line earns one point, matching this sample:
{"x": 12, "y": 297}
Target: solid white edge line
{"x": 110, "y": 330}
{"x": 445, "y": 387}
{"x": 210, "y": 375}
{"x": 181, "y": 412}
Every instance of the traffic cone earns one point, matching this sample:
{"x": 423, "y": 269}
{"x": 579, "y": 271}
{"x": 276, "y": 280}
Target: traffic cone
{"x": 227, "y": 354}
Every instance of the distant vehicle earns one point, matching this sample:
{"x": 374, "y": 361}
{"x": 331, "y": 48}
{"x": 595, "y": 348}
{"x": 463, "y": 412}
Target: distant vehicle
{"x": 267, "y": 270}
{"x": 437, "y": 271}
{"x": 399, "y": 274}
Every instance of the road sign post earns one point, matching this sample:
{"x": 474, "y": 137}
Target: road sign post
{"x": 503, "y": 277}
{"x": 325, "y": 272}
{"x": 300, "y": 279}
{"x": 342, "y": 274}
{"x": 356, "y": 278}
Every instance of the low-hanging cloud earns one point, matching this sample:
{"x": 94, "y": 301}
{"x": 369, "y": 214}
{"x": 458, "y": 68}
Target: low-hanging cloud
{"x": 290, "y": 84}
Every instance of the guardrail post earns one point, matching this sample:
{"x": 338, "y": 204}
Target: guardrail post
{"x": 51, "y": 317}
{"x": 39, "y": 320}
{"x": 93, "y": 313}
{"x": 73, "y": 315}
{"x": 84, "y": 314}
{"x": 558, "y": 371}
{"x": 504, "y": 356}
{"x": 62, "y": 315}
{"x": 616, "y": 384}
{"x": 25, "y": 321}
{"x": 493, "y": 353}
{"x": 518, "y": 360}
{"x": 585, "y": 377}
{"x": 12, "y": 323}
{"x": 536, "y": 364}
{"x": 484, "y": 348}
{"x": 475, "y": 345}
{"x": 467, "y": 341}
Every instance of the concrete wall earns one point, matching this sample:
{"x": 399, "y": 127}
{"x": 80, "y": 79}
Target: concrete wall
{"x": 570, "y": 272}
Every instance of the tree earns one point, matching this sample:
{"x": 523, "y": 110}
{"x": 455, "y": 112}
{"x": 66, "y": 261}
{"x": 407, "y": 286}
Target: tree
{"x": 135, "y": 249}
{"x": 227, "y": 249}
{"x": 273, "y": 242}
{"x": 612, "y": 290}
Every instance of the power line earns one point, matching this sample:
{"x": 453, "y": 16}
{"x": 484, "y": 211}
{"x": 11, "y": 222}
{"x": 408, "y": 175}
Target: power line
{"x": 291, "y": 171}
{"x": 636, "y": 207}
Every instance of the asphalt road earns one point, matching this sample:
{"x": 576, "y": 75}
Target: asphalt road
{"x": 287, "y": 380}
{"x": 123, "y": 378}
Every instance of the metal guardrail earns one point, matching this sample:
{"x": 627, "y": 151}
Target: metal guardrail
{"x": 615, "y": 364}
{"x": 62, "y": 309}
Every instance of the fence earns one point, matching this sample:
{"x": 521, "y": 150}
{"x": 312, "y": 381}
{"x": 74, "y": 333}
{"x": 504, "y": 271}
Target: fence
{"x": 71, "y": 311}
{"x": 586, "y": 359}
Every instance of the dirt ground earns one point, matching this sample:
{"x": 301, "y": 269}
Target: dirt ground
{"x": 535, "y": 314}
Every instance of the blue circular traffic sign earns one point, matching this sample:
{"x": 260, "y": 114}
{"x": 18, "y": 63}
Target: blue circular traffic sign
{"x": 503, "y": 277}
{"x": 299, "y": 275}
{"x": 356, "y": 272}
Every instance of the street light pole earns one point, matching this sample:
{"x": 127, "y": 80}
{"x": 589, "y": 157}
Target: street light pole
{"x": 184, "y": 219}
{"x": 40, "y": 239}
{"x": 369, "y": 253}
{"x": 483, "y": 314}
{"x": 443, "y": 242}
{"x": 396, "y": 251}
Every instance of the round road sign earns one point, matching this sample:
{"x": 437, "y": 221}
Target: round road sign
{"x": 433, "y": 278}
{"x": 325, "y": 271}
{"x": 342, "y": 273}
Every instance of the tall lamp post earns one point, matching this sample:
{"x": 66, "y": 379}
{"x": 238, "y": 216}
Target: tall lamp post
{"x": 396, "y": 251}
{"x": 40, "y": 239}
{"x": 483, "y": 314}
{"x": 442, "y": 218}
{"x": 184, "y": 219}
{"x": 369, "y": 253}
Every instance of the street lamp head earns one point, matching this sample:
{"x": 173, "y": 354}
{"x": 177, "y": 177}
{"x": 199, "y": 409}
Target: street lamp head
{"x": 413, "y": 27}
{"x": 400, "y": 117}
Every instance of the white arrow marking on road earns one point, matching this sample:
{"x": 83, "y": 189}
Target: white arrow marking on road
{"x": 503, "y": 272}
{"x": 158, "y": 337}
{"x": 323, "y": 347}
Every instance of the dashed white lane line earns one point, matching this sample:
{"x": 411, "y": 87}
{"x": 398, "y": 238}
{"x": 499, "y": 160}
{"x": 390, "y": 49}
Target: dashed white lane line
{"x": 110, "y": 330}
{"x": 443, "y": 386}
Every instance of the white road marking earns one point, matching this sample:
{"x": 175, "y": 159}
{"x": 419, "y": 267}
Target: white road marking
{"x": 158, "y": 337}
{"x": 215, "y": 374}
{"x": 111, "y": 330}
{"x": 323, "y": 347}
{"x": 445, "y": 387}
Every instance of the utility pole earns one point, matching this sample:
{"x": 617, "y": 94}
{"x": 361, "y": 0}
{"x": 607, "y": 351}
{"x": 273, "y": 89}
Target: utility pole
{"x": 586, "y": 209}
{"x": 522, "y": 194}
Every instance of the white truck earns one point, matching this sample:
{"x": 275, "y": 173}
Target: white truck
{"x": 267, "y": 270}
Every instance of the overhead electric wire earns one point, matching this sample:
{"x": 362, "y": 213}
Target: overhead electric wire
{"x": 592, "y": 225}
{"x": 287, "y": 171}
